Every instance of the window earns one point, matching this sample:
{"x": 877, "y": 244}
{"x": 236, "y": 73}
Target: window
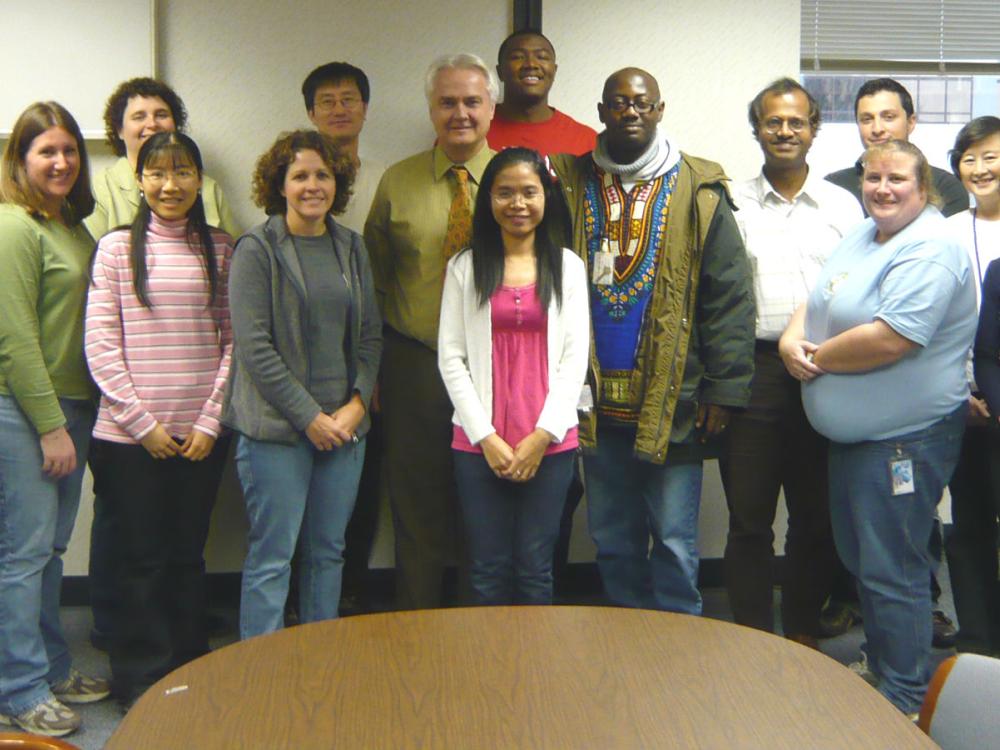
{"x": 945, "y": 52}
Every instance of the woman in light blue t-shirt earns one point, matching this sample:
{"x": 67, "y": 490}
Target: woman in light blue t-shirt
{"x": 881, "y": 347}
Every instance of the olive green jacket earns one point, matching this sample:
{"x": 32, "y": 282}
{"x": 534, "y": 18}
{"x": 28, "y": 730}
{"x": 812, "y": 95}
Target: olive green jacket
{"x": 697, "y": 344}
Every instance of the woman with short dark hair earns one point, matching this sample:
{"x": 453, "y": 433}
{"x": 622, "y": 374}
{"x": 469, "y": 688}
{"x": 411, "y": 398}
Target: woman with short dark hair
{"x": 136, "y": 110}
{"x": 308, "y": 342}
{"x": 975, "y": 487}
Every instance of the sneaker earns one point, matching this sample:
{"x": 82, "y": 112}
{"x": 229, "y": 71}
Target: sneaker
{"x": 79, "y": 688}
{"x": 50, "y": 718}
{"x": 944, "y": 630}
{"x": 862, "y": 670}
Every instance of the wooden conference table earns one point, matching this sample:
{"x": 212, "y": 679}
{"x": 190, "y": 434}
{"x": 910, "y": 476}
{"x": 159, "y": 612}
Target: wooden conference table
{"x": 515, "y": 677}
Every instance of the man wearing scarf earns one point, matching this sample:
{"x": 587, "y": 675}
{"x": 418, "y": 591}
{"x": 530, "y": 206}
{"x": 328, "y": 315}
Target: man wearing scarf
{"x": 673, "y": 341}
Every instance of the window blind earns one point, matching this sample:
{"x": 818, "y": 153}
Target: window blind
{"x": 918, "y": 35}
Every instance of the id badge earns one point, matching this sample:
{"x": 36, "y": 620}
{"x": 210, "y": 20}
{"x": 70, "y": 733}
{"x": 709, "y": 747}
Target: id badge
{"x": 604, "y": 268}
{"x": 901, "y": 474}
{"x": 586, "y": 402}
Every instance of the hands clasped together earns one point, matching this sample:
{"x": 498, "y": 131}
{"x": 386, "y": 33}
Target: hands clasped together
{"x": 160, "y": 444}
{"x": 520, "y": 463}
{"x": 329, "y": 431}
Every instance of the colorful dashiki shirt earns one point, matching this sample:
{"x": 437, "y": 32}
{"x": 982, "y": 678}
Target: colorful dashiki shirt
{"x": 632, "y": 226}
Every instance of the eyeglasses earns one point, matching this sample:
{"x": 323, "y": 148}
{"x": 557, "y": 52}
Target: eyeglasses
{"x": 160, "y": 176}
{"x": 510, "y": 196}
{"x": 329, "y": 104}
{"x": 773, "y": 125}
{"x": 621, "y": 104}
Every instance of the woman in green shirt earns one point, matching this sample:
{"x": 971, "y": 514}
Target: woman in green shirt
{"x": 137, "y": 109}
{"x": 46, "y": 411}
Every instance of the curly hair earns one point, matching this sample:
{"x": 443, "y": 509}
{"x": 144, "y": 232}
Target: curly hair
{"x": 114, "y": 110}
{"x": 15, "y": 187}
{"x": 272, "y": 166}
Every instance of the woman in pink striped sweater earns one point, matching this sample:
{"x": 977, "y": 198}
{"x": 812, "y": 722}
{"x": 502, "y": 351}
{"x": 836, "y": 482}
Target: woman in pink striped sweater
{"x": 159, "y": 344}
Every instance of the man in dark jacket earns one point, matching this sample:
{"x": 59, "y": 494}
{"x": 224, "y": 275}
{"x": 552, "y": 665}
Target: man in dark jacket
{"x": 883, "y": 109}
{"x": 673, "y": 330}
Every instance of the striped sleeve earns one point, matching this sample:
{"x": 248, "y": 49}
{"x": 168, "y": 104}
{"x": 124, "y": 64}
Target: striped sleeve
{"x": 104, "y": 340}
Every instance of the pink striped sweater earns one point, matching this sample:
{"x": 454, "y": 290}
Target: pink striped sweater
{"x": 167, "y": 364}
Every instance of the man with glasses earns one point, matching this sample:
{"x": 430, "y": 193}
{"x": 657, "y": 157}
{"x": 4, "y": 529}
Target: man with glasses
{"x": 336, "y": 97}
{"x": 791, "y": 219}
{"x": 672, "y": 311}
{"x": 420, "y": 218}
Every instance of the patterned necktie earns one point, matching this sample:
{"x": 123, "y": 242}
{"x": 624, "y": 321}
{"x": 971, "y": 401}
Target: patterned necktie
{"x": 459, "y": 215}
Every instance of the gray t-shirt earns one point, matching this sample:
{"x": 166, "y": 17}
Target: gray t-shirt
{"x": 328, "y": 317}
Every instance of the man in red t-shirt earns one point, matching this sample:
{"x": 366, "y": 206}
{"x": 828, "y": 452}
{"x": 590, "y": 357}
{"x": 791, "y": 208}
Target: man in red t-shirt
{"x": 527, "y": 67}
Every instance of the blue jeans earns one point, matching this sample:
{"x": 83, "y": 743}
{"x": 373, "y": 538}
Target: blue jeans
{"x": 294, "y": 493}
{"x": 883, "y": 540}
{"x": 511, "y": 527}
{"x": 36, "y": 519}
{"x": 629, "y": 501}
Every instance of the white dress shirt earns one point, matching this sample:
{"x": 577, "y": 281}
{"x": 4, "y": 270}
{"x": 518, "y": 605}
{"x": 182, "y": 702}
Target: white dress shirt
{"x": 788, "y": 241}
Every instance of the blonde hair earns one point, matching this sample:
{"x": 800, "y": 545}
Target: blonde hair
{"x": 925, "y": 178}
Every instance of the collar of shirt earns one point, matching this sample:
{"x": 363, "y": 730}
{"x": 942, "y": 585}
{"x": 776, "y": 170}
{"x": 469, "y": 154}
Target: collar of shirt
{"x": 124, "y": 176}
{"x": 765, "y": 193}
{"x": 476, "y": 165}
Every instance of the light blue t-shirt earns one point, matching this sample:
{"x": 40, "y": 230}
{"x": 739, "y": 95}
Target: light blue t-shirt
{"x": 919, "y": 283}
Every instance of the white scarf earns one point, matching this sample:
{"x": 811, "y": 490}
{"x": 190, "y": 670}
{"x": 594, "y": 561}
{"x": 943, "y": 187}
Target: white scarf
{"x": 655, "y": 161}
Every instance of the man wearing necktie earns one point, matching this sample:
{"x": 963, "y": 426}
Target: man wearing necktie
{"x": 420, "y": 217}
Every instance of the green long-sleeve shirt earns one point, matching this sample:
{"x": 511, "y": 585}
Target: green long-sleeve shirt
{"x": 405, "y": 235}
{"x": 44, "y": 267}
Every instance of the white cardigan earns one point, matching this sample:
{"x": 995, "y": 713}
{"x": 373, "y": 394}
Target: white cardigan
{"x": 465, "y": 350}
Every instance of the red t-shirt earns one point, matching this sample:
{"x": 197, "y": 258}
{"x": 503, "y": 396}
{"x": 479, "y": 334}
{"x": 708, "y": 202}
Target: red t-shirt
{"x": 560, "y": 134}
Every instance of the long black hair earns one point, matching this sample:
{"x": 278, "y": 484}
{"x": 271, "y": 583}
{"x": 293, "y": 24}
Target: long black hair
{"x": 487, "y": 240}
{"x": 179, "y": 150}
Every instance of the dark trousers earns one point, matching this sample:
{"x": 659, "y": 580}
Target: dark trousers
{"x": 416, "y": 415}
{"x": 972, "y": 546}
{"x": 103, "y": 560}
{"x": 360, "y": 535}
{"x": 511, "y": 527}
{"x": 161, "y": 511}
{"x": 772, "y": 446}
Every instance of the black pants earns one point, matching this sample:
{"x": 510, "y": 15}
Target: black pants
{"x": 972, "y": 546}
{"x": 416, "y": 415}
{"x": 360, "y": 535}
{"x": 161, "y": 511}
{"x": 772, "y": 446}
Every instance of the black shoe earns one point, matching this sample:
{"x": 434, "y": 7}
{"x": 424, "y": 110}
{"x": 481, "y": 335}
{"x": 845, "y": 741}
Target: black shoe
{"x": 100, "y": 641}
{"x": 944, "y": 630}
{"x": 837, "y": 618}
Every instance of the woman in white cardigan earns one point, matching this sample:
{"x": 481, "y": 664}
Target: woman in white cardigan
{"x": 513, "y": 348}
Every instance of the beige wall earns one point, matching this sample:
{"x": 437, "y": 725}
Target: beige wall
{"x": 239, "y": 63}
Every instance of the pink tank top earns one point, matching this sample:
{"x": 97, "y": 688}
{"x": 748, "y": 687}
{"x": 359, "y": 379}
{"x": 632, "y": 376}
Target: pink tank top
{"x": 520, "y": 369}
